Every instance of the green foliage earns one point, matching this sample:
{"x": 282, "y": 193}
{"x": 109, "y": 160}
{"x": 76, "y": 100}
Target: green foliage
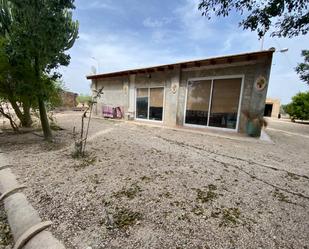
{"x": 303, "y": 68}
{"x": 15, "y": 78}
{"x": 288, "y": 18}
{"x": 299, "y": 107}
{"x": 84, "y": 98}
{"x": 39, "y": 32}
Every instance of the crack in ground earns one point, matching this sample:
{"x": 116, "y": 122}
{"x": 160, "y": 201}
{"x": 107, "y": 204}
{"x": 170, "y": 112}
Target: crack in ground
{"x": 182, "y": 144}
{"x": 232, "y": 157}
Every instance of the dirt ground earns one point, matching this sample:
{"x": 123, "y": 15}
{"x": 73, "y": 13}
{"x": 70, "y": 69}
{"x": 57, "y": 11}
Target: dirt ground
{"x": 152, "y": 187}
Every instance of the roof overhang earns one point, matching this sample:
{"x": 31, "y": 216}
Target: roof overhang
{"x": 221, "y": 60}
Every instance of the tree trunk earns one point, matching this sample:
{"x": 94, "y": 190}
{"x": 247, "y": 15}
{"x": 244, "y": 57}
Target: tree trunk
{"x": 27, "y": 121}
{"x": 44, "y": 120}
{"x": 17, "y": 111}
{"x": 25, "y": 118}
{"x": 43, "y": 115}
{"x": 9, "y": 117}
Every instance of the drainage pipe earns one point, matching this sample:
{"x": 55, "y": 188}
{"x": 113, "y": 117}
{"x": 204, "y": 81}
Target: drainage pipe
{"x": 27, "y": 228}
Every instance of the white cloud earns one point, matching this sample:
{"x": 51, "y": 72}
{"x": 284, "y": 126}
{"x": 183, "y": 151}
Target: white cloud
{"x": 191, "y": 35}
{"x": 114, "y": 53}
{"x": 156, "y": 23}
{"x": 196, "y": 26}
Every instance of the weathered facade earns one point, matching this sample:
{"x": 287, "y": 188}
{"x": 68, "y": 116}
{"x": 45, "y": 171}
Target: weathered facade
{"x": 272, "y": 108}
{"x": 209, "y": 93}
{"x": 68, "y": 100}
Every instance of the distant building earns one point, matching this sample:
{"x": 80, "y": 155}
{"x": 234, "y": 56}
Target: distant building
{"x": 210, "y": 93}
{"x": 272, "y": 108}
{"x": 68, "y": 100}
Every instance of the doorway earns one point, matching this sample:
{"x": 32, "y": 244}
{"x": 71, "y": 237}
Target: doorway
{"x": 268, "y": 110}
{"x": 149, "y": 103}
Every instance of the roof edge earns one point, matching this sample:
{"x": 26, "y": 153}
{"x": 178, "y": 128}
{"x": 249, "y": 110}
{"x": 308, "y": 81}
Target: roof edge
{"x": 186, "y": 64}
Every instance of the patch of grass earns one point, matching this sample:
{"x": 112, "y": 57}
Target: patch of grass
{"x": 55, "y": 127}
{"x": 130, "y": 193}
{"x": 230, "y": 216}
{"x": 206, "y": 196}
{"x": 280, "y": 196}
{"x": 124, "y": 218}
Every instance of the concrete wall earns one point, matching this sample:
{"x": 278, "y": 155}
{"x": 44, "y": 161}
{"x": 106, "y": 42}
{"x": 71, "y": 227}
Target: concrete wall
{"x": 167, "y": 80}
{"x": 276, "y": 106}
{"x": 120, "y": 91}
{"x": 116, "y": 93}
{"x": 252, "y": 99}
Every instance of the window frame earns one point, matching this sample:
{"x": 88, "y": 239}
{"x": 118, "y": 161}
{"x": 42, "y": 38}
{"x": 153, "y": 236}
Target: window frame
{"x": 148, "y": 108}
{"x": 212, "y": 78}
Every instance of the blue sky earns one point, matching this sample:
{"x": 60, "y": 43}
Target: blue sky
{"x": 123, "y": 34}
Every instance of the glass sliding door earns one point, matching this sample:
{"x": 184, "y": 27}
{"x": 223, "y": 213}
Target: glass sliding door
{"x": 198, "y": 102}
{"x": 142, "y": 103}
{"x": 156, "y": 104}
{"x": 149, "y": 103}
{"x": 213, "y": 102}
{"x": 225, "y": 102}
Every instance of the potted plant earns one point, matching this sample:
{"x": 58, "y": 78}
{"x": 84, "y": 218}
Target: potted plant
{"x": 255, "y": 122}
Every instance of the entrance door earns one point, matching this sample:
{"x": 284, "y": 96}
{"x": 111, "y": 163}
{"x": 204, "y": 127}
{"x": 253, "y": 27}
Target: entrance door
{"x": 268, "y": 110}
{"x": 149, "y": 103}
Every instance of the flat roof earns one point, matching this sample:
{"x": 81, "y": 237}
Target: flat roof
{"x": 227, "y": 59}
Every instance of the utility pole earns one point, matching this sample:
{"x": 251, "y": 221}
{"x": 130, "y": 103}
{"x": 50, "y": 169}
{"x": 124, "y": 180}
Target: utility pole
{"x": 262, "y": 42}
{"x": 98, "y": 63}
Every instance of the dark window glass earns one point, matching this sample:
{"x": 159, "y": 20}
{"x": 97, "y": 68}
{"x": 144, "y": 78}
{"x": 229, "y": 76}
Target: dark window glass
{"x": 198, "y": 102}
{"x": 142, "y": 103}
{"x": 156, "y": 104}
{"x": 224, "y": 104}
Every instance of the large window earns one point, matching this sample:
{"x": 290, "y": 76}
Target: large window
{"x": 149, "y": 103}
{"x": 198, "y": 102}
{"x": 224, "y": 103}
{"x": 142, "y": 103}
{"x": 213, "y": 102}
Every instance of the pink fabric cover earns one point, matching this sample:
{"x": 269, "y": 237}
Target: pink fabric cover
{"x": 111, "y": 112}
{"x": 108, "y": 111}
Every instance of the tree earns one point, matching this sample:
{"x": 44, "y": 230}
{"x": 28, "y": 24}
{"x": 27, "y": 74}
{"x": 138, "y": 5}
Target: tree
{"x": 14, "y": 85}
{"x": 41, "y": 31}
{"x": 303, "y": 68}
{"x": 299, "y": 107}
{"x": 5, "y": 112}
{"x": 84, "y": 99}
{"x": 289, "y": 18}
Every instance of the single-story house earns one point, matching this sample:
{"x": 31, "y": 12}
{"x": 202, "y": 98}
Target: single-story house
{"x": 212, "y": 93}
{"x": 272, "y": 108}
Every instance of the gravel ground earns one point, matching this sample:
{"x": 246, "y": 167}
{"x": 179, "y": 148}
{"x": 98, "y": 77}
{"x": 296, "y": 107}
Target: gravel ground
{"x": 151, "y": 187}
{"x": 6, "y": 240}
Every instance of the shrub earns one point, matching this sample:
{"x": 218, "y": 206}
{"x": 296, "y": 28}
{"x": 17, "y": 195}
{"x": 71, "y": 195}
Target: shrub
{"x": 299, "y": 107}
